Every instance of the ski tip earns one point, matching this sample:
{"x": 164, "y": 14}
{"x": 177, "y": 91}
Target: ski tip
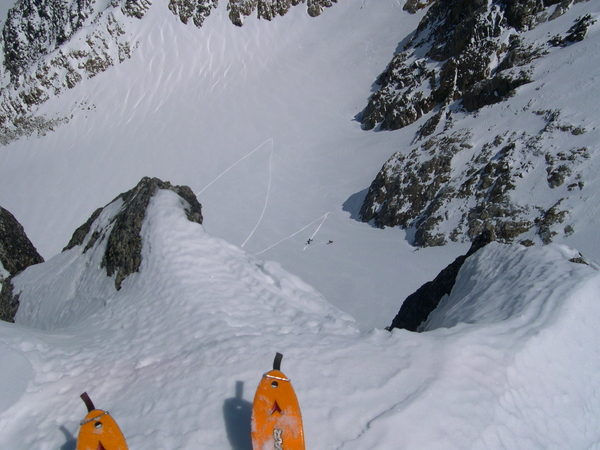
{"x": 277, "y": 361}
{"x": 88, "y": 401}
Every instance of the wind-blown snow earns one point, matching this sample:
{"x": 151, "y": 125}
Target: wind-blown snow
{"x": 176, "y": 354}
{"x": 259, "y": 122}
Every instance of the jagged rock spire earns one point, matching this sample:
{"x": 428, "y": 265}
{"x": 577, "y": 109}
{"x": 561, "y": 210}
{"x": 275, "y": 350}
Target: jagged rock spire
{"x": 121, "y": 231}
{"x": 16, "y": 254}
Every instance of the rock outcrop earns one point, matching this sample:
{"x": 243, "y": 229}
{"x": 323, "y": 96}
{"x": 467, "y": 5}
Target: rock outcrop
{"x": 16, "y": 250}
{"x": 458, "y": 55}
{"x": 120, "y": 232}
{"x": 269, "y": 9}
{"x": 417, "y": 306}
{"x": 462, "y": 57}
{"x": 197, "y": 10}
{"x": 110, "y": 241}
{"x": 427, "y": 191}
{"x": 16, "y": 254}
{"x": 9, "y": 302}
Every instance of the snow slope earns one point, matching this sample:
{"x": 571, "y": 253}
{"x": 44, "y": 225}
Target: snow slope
{"x": 259, "y": 122}
{"x": 176, "y": 354}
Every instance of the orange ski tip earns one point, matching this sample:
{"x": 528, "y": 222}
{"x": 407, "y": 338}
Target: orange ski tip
{"x": 99, "y": 431}
{"x": 91, "y": 416}
{"x": 276, "y": 417}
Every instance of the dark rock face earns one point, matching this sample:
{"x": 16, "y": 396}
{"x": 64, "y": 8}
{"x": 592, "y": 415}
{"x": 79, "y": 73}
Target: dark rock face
{"x": 123, "y": 242}
{"x": 16, "y": 250}
{"x": 417, "y": 306}
{"x": 456, "y": 56}
{"x": 269, "y": 9}
{"x": 16, "y": 254}
{"x": 197, "y": 10}
{"x": 9, "y": 303}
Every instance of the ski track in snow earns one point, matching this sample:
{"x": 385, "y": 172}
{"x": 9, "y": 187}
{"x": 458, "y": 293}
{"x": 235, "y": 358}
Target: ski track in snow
{"x": 270, "y": 140}
{"x": 322, "y": 219}
{"x": 312, "y": 237}
{"x": 262, "y": 213}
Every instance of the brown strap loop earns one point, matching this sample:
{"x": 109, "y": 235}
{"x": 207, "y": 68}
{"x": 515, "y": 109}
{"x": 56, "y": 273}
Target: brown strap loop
{"x": 88, "y": 402}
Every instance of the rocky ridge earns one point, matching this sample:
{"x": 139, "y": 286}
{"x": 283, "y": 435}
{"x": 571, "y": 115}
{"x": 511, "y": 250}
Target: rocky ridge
{"x": 113, "y": 232}
{"x": 467, "y": 53}
{"x": 415, "y": 314}
{"x": 121, "y": 230}
{"x": 16, "y": 254}
{"x": 447, "y": 187}
{"x": 416, "y": 307}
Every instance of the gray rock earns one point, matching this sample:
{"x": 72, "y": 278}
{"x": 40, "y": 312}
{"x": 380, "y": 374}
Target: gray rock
{"x": 416, "y": 307}
{"x": 464, "y": 37}
{"x": 16, "y": 250}
{"x": 16, "y": 254}
{"x": 122, "y": 238}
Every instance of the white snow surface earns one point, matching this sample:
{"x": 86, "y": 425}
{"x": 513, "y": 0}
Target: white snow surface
{"x": 176, "y": 354}
{"x": 259, "y": 122}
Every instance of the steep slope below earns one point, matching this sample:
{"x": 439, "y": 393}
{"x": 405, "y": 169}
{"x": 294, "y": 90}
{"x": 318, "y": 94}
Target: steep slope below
{"x": 177, "y": 352}
{"x": 257, "y": 121}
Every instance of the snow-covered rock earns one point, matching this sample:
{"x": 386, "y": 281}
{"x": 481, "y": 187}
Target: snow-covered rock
{"x": 502, "y": 293}
{"x": 117, "y": 227}
{"x": 455, "y": 181}
{"x": 16, "y": 254}
{"x": 418, "y": 306}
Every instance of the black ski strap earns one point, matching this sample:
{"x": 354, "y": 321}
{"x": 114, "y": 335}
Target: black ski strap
{"x": 88, "y": 401}
{"x": 277, "y": 362}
